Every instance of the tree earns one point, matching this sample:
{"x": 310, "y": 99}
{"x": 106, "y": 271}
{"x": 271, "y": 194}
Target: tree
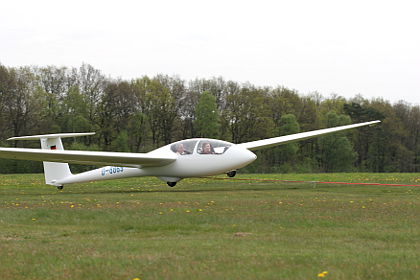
{"x": 248, "y": 115}
{"x": 8, "y": 85}
{"x": 285, "y": 155}
{"x": 147, "y": 112}
{"x": 160, "y": 107}
{"x": 118, "y": 103}
{"x": 284, "y": 101}
{"x": 92, "y": 84}
{"x": 18, "y": 107}
{"x": 336, "y": 151}
{"x": 120, "y": 144}
{"x": 414, "y": 128}
{"x": 368, "y": 142}
{"x": 75, "y": 112}
{"x": 207, "y": 123}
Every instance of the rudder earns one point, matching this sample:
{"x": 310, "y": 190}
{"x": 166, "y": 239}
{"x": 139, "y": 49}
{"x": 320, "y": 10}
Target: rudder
{"x": 53, "y": 171}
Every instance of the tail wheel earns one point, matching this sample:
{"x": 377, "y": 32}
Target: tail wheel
{"x": 171, "y": 184}
{"x": 60, "y": 187}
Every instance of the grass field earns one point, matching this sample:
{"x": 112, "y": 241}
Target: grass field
{"x": 211, "y": 229}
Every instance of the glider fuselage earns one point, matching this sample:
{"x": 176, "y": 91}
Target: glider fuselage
{"x": 192, "y": 162}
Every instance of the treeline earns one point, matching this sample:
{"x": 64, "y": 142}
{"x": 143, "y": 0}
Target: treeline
{"x": 145, "y": 113}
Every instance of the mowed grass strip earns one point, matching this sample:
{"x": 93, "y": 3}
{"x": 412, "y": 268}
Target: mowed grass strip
{"x": 210, "y": 229}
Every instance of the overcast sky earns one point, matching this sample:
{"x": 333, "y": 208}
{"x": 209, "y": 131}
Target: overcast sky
{"x": 353, "y": 47}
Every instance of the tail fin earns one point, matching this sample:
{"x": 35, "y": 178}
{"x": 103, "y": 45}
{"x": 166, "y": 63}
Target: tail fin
{"x": 53, "y": 170}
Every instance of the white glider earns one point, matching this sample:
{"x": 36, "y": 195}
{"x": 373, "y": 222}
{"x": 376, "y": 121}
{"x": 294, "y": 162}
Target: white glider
{"x": 171, "y": 163}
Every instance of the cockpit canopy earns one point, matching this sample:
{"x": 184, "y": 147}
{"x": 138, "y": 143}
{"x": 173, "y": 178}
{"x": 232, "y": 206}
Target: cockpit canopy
{"x": 200, "y": 146}
{"x": 185, "y": 147}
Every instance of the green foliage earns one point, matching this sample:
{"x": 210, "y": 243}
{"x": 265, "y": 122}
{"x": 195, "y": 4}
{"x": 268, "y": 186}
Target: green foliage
{"x": 8, "y": 166}
{"x": 289, "y": 125}
{"x": 81, "y": 147}
{"x": 75, "y": 112}
{"x": 286, "y": 155}
{"x": 160, "y": 107}
{"x": 248, "y": 115}
{"x": 148, "y": 112}
{"x": 336, "y": 151}
{"x": 207, "y": 123}
{"x": 121, "y": 142}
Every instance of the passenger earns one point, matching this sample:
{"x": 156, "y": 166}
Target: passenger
{"x": 180, "y": 150}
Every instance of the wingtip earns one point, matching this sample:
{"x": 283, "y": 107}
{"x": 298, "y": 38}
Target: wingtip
{"x": 369, "y": 123}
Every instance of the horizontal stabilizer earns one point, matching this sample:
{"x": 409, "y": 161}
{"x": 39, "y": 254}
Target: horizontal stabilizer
{"x": 46, "y": 136}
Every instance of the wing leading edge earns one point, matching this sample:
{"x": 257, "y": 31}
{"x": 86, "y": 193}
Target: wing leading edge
{"x": 87, "y": 157}
{"x": 270, "y": 142}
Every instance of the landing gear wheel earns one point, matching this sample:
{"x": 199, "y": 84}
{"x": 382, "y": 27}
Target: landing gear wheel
{"x": 60, "y": 187}
{"x": 231, "y": 173}
{"x": 171, "y": 184}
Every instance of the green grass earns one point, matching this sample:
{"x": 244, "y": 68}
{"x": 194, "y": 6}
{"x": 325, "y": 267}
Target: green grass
{"x": 211, "y": 229}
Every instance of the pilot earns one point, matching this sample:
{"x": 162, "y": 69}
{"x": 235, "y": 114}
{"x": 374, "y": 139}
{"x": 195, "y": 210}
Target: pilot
{"x": 206, "y": 148}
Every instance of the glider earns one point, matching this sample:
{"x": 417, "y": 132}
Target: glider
{"x": 171, "y": 163}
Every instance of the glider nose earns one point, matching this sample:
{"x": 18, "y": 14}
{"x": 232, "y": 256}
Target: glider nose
{"x": 251, "y": 156}
{"x": 238, "y": 157}
{"x": 247, "y": 156}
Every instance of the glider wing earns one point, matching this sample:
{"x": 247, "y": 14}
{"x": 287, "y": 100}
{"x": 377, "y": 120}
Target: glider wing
{"x": 270, "y": 142}
{"x": 88, "y": 157}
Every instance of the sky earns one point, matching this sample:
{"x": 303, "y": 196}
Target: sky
{"x": 346, "y": 48}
